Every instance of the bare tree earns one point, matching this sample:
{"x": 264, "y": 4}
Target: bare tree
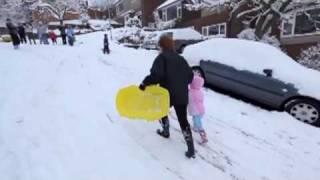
{"x": 58, "y": 8}
{"x": 264, "y": 14}
{"x": 18, "y": 10}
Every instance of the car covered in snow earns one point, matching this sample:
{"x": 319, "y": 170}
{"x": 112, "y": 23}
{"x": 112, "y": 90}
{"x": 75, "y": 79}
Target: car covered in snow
{"x": 260, "y": 73}
{"x": 182, "y": 37}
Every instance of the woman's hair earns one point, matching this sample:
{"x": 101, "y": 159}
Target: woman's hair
{"x": 166, "y": 43}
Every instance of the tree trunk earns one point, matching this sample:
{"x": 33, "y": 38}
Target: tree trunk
{"x": 269, "y": 19}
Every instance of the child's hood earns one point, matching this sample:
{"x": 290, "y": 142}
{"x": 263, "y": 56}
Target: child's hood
{"x": 197, "y": 82}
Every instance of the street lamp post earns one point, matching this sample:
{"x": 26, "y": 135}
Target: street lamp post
{"x": 109, "y": 14}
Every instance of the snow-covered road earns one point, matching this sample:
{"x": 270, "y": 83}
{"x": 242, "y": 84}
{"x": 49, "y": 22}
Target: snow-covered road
{"x": 58, "y": 122}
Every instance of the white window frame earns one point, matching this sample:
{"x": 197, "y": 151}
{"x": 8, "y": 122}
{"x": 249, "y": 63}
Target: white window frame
{"x": 164, "y": 14}
{"x": 205, "y": 30}
{"x": 179, "y": 12}
{"x": 293, "y": 34}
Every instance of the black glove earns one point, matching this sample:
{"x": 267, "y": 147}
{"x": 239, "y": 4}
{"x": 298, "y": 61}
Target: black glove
{"x": 142, "y": 87}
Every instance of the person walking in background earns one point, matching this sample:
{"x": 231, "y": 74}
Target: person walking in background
{"x": 30, "y": 34}
{"x": 53, "y": 37}
{"x": 45, "y": 34}
{"x": 22, "y": 33}
{"x": 13, "y": 31}
{"x": 70, "y": 35}
{"x": 106, "y": 45}
{"x": 63, "y": 35}
{"x": 40, "y": 32}
{"x": 173, "y": 73}
{"x": 196, "y": 106}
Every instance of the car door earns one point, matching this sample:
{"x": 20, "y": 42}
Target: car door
{"x": 260, "y": 88}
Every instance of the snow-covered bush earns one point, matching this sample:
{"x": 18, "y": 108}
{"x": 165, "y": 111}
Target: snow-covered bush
{"x": 5, "y": 38}
{"x": 311, "y": 57}
{"x": 249, "y": 34}
{"x": 134, "y": 22}
{"x": 133, "y": 35}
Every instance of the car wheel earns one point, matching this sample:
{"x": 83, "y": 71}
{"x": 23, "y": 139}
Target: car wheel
{"x": 305, "y": 110}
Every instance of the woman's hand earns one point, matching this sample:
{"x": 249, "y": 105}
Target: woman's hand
{"x": 142, "y": 87}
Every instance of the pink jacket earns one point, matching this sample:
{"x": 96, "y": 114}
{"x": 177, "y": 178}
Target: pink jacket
{"x": 196, "y": 97}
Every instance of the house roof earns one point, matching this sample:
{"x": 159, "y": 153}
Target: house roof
{"x": 167, "y": 3}
{"x": 116, "y": 2}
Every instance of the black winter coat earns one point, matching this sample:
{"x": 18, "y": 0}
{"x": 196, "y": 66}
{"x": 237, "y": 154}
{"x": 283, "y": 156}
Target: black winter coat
{"x": 21, "y": 31}
{"x": 13, "y": 33}
{"x": 11, "y": 28}
{"x": 172, "y": 72}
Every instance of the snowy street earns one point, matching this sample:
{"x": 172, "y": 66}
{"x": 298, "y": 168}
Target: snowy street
{"x": 58, "y": 121}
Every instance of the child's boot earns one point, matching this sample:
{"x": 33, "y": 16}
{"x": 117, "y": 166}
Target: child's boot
{"x": 204, "y": 138}
{"x": 165, "y": 132}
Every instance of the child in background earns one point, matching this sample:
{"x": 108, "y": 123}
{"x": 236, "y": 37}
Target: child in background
{"x": 196, "y": 106}
{"x": 53, "y": 37}
{"x": 106, "y": 45}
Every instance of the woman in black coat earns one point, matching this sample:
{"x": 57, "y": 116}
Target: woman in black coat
{"x": 172, "y": 72}
{"x": 13, "y": 33}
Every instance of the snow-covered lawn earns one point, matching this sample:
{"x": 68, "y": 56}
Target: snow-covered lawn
{"x": 58, "y": 122}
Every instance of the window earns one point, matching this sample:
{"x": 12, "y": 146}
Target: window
{"x": 223, "y": 29}
{"x": 303, "y": 22}
{"x": 172, "y": 13}
{"x": 216, "y": 30}
{"x": 205, "y": 31}
{"x": 213, "y": 30}
{"x": 287, "y": 28}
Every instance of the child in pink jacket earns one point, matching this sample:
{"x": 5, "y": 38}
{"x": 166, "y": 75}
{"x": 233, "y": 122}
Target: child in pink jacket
{"x": 196, "y": 106}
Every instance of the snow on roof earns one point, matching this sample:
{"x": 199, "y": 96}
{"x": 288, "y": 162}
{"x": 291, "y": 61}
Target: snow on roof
{"x": 71, "y": 22}
{"x": 178, "y": 34}
{"x": 167, "y": 3}
{"x": 255, "y": 57}
{"x": 102, "y": 22}
{"x": 91, "y": 22}
{"x": 185, "y": 34}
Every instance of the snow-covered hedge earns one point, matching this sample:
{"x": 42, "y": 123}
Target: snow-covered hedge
{"x": 249, "y": 34}
{"x": 132, "y": 35}
{"x": 311, "y": 57}
{"x": 5, "y": 38}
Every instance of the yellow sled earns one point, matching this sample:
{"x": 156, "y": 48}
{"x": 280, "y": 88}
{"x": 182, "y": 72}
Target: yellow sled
{"x": 151, "y": 104}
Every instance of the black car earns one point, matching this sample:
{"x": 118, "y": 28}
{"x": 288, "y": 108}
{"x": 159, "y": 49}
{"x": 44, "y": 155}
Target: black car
{"x": 259, "y": 73}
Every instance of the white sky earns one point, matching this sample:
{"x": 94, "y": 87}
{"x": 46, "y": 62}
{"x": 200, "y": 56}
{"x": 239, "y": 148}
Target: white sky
{"x": 99, "y": 2}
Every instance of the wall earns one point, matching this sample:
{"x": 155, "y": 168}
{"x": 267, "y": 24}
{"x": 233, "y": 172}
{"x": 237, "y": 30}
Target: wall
{"x": 148, "y": 7}
{"x": 198, "y": 23}
{"x": 294, "y": 50}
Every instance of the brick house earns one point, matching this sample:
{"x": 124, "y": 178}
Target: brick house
{"x": 301, "y": 30}
{"x": 174, "y": 10}
{"x": 46, "y": 17}
{"x": 124, "y": 9}
{"x": 96, "y": 13}
{"x": 295, "y": 35}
